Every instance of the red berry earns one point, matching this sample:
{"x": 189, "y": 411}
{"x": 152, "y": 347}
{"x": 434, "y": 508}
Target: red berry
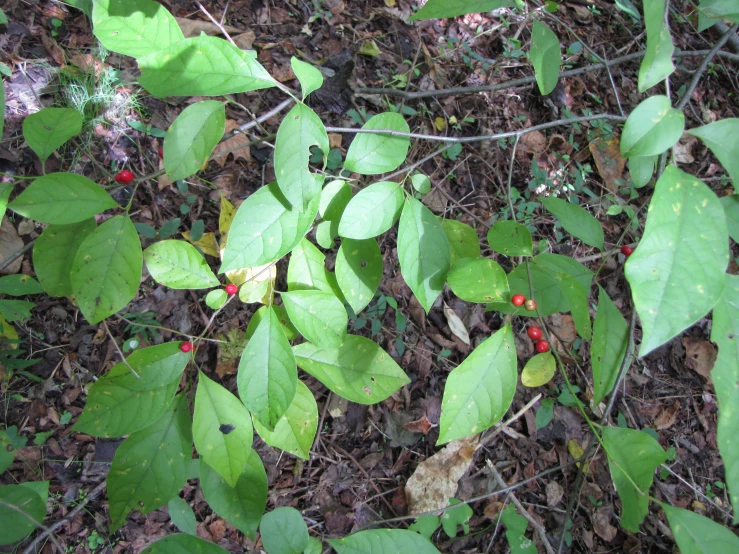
{"x": 530, "y": 305}
{"x": 161, "y": 152}
{"x": 534, "y": 333}
{"x": 627, "y": 251}
{"x": 124, "y": 177}
{"x": 232, "y": 289}
{"x": 186, "y": 347}
{"x": 542, "y": 346}
{"x": 518, "y": 299}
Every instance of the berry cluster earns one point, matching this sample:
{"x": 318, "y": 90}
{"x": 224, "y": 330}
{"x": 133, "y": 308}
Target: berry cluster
{"x": 542, "y": 345}
{"x": 520, "y": 300}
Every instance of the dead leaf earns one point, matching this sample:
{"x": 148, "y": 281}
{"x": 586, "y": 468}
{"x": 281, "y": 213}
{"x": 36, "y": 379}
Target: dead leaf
{"x": 700, "y": 355}
{"x": 667, "y": 417}
{"x": 602, "y": 523}
{"x": 245, "y": 41}
{"x": 422, "y": 425}
{"x": 193, "y": 27}
{"x": 608, "y": 160}
{"x": 207, "y": 243}
{"x": 456, "y": 325}
{"x": 53, "y": 49}
{"x": 87, "y": 63}
{"x": 684, "y": 149}
{"x": 555, "y": 492}
{"x": 10, "y": 243}
{"x": 534, "y": 142}
{"x": 238, "y": 145}
{"x": 334, "y": 140}
{"x": 436, "y": 479}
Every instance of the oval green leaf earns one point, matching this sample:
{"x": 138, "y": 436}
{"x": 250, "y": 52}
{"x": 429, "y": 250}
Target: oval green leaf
{"x": 652, "y": 128}
{"x": 178, "y": 265}
{"x": 539, "y": 370}
{"x": 545, "y": 56}
{"x": 307, "y": 269}
{"x": 358, "y": 271}
{"x": 372, "y": 211}
{"x": 190, "y": 140}
{"x": 49, "y": 128}
{"x": 610, "y": 338}
{"x": 215, "y": 299}
{"x": 54, "y": 253}
{"x": 310, "y": 78}
{"x": 182, "y": 515}
{"x": 576, "y": 220}
{"x": 463, "y": 240}
{"x": 657, "y": 63}
{"x": 19, "y": 285}
{"x": 641, "y": 169}
{"x": 479, "y": 280}
{"x": 511, "y": 239}
{"x": 371, "y": 154}
{"x": 383, "y": 541}
{"x": 318, "y": 315}
{"x": 183, "y": 544}
{"x": 722, "y": 137}
{"x": 731, "y": 209}
{"x": 284, "y": 531}
{"x": 440, "y": 9}
{"x": 696, "y": 534}
{"x": 18, "y": 503}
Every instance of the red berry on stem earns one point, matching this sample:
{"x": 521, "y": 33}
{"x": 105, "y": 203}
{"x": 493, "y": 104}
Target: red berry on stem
{"x": 232, "y": 289}
{"x": 530, "y": 305}
{"x": 534, "y": 333}
{"x": 542, "y": 346}
{"x": 186, "y": 347}
{"x": 627, "y": 251}
{"x": 518, "y": 299}
{"x": 124, "y": 177}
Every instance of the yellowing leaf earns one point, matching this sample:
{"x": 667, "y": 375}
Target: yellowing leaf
{"x": 228, "y": 211}
{"x": 207, "y": 243}
{"x": 7, "y": 330}
{"x": 440, "y": 123}
{"x": 255, "y": 283}
{"x": 539, "y": 370}
{"x": 575, "y": 450}
{"x": 370, "y": 48}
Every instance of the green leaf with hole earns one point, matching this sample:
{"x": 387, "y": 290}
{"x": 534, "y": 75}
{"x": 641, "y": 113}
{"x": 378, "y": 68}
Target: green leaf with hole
{"x": 178, "y": 265}
{"x": 22, "y": 509}
{"x": 19, "y": 285}
{"x": 439, "y": 9}
{"x": 359, "y": 370}
{"x": 539, "y": 370}
{"x": 221, "y": 429}
{"x": 576, "y": 220}
{"x": 267, "y": 377}
{"x": 545, "y": 56}
{"x": 243, "y": 504}
{"x": 657, "y": 63}
{"x": 150, "y": 467}
{"x": 652, "y": 128}
{"x": 423, "y": 251}
{"x": 479, "y": 280}
{"x": 202, "y": 66}
{"x": 632, "y": 458}
{"x": 120, "y": 403}
{"x": 382, "y": 541}
{"x": 610, "y": 339}
{"x": 371, "y": 153}
{"x": 107, "y": 269}
{"x": 318, "y": 315}
{"x": 725, "y": 375}
{"x": 307, "y": 269}
{"x": 677, "y": 271}
{"x": 696, "y": 534}
{"x": 463, "y": 241}
{"x": 62, "y": 198}
{"x": 134, "y": 27}
{"x": 310, "y": 78}
{"x": 183, "y": 544}
{"x": 284, "y": 531}
{"x": 190, "y": 140}
{"x": 296, "y": 430}
{"x": 49, "y": 128}
{"x": 358, "y": 271}
{"x": 722, "y": 137}
{"x": 300, "y": 130}
{"x": 480, "y": 390}
{"x": 265, "y": 228}
{"x": 641, "y": 169}
{"x": 182, "y": 515}
{"x": 372, "y": 211}
{"x": 510, "y": 238}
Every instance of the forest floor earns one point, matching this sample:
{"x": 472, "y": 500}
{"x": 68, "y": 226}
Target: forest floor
{"x": 363, "y": 455}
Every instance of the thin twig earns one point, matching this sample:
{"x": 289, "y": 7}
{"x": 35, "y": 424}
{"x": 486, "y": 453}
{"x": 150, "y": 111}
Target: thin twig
{"x": 486, "y": 440}
{"x": 217, "y": 24}
{"x": 123, "y": 358}
{"x": 17, "y": 254}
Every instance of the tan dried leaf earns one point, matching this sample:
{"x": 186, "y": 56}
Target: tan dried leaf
{"x": 456, "y": 325}
{"x": 422, "y": 425}
{"x": 193, "y": 27}
{"x": 700, "y": 355}
{"x": 238, "y": 145}
{"x": 667, "y": 417}
{"x": 10, "y": 243}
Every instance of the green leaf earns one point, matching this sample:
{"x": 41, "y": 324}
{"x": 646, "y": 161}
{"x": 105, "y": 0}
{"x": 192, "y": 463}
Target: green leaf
{"x": 359, "y": 370}
{"x": 545, "y": 56}
{"x": 383, "y": 541}
{"x": 28, "y": 509}
{"x": 421, "y": 183}
{"x": 215, "y": 299}
{"x": 629, "y": 8}
{"x": 314, "y": 546}
{"x": 119, "y": 403}
{"x": 182, "y": 515}
{"x": 577, "y": 300}
{"x": 3, "y": 21}
{"x": 334, "y": 198}
{"x": 652, "y": 128}
{"x": 202, "y": 66}
{"x": 243, "y": 504}
{"x": 134, "y": 27}
{"x": 425, "y": 525}
{"x": 62, "y": 198}
{"x": 516, "y": 532}
{"x": 318, "y": 315}
{"x": 300, "y": 130}
{"x": 479, "y": 280}
{"x": 296, "y": 429}
{"x": 641, "y": 169}
{"x": 284, "y": 531}
{"x": 5, "y": 188}
{"x": 150, "y": 466}
{"x": 307, "y": 269}
{"x": 49, "y": 128}
{"x": 371, "y": 154}
{"x": 265, "y": 228}
{"x": 291, "y": 333}
{"x": 657, "y": 63}
{"x": 85, "y": 6}
{"x": 358, "y": 271}
{"x": 632, "y": 458}
{"x": 107, "y": 269}
{"x": 190, "y": 140}
{"x": 480, "y": 390}
{"x": 722, "y": 137}
{"x": 576, "y": 220}
{"x": 267, "y": 377}
{"x": 16, "y": 310}
{"x": 539, "y": 370}
{"x": 725, "y": 375}
{"x": 54, "y": 253}
{"x": 372, "y": 211}
{"x": 19, "y": 285}
{"x": 2, "y": 107}
{"x": 423, "y": 251}
{"x": 696, "y": 534}
{"x": 610, "y": 339}
{"x": 222, "y": 430}
{"x": 455, "y": 517}
{"x": 439, "y": 9}
{"x": 725, "y": 9}
{"x": 183, "y": 544}
{"x": 310, "y": 78}
{"x": 463, "y": 241}
{"x": 511, "y": 239}
{"x": 677, "y": 271}
{"x": 6, "y": 451}
{"x": 178, "y": 265}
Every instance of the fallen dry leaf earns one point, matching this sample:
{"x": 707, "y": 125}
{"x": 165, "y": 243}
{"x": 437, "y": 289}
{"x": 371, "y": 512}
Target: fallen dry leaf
{"x": 684, "y": 149}
{"x": 422, "y": 425}
{"x": 667, "y": 417}
{"x": 700, "y": 355}
{"x": 456, "y": 325}
{"x": 10, "y": 243}
{"x": 238, "y": 145}
{"x": 193, "y": 27}
{"x": 555, "y": 492}
{"x": 602, "y": 523}
{"x": 608, "y": 160}
{"x": 534, "y": 142}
